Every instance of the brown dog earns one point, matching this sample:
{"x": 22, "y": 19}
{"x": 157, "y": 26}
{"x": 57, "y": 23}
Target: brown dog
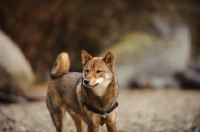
{"x": 89, "y": 97}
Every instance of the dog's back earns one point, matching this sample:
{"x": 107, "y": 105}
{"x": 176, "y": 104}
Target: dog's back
{"x": 64, "y": 88}
{"x": 62, "y": 85}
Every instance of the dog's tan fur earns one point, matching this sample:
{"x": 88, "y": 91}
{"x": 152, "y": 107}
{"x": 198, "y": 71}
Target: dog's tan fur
{"x": 96, "y": 85}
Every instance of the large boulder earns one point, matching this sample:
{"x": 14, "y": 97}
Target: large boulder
{"x": 15, "y": 70}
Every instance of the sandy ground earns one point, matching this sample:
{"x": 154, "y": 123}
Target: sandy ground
{"x": 139, "y": 111}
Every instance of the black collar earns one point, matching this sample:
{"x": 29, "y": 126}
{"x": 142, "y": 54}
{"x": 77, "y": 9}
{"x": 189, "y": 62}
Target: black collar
{"x": 103, "y": 113}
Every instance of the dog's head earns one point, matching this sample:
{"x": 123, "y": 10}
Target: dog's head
{"x": 97, "y": 71}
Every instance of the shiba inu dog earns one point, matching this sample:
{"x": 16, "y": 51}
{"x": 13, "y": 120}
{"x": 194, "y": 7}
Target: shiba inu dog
{"x": 89, "y": 97}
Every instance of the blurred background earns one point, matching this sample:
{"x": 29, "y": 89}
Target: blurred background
{"x": 155, "y": 43}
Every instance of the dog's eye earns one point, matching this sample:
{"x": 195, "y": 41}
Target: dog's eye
{"x": 98, "y": 71}
{"x": 86, "y": 71}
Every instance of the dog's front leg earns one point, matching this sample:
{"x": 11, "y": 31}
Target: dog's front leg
{"x": 111, "y": 121}
{"x": 93, "y": 128}
{"x": 111, "y": 127}
{"x": 93, "y": 122}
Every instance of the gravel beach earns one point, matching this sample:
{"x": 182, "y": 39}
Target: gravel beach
{"x": 139, "y": 111}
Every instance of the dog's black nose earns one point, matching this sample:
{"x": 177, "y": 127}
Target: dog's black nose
{"x": 86, "y": 81}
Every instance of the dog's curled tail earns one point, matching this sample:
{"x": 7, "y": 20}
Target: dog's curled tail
{"x": 61, "y": 65}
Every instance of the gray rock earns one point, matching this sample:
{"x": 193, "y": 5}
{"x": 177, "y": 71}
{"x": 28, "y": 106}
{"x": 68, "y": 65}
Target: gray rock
{"x": 15, "y": 70}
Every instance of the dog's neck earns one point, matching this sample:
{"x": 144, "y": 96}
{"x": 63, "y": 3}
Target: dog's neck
{"x": 105, "y": 101}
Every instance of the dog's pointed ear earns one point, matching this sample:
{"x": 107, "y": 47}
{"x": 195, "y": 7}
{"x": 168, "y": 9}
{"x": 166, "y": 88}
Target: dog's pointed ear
{"x": 85, "y": 57}
{"x": 109, "y": 60}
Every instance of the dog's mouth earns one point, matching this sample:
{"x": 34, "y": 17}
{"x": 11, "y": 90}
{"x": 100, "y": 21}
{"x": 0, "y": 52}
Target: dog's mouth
{"x": 96, "y": 84}
{"x": 90, "y": 86}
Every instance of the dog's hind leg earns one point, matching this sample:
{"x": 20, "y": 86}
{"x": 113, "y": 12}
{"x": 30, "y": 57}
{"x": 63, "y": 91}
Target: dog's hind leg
{"x": 59, "y": 119}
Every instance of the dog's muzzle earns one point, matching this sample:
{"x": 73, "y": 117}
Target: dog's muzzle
{"x": 86, "y": 82}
